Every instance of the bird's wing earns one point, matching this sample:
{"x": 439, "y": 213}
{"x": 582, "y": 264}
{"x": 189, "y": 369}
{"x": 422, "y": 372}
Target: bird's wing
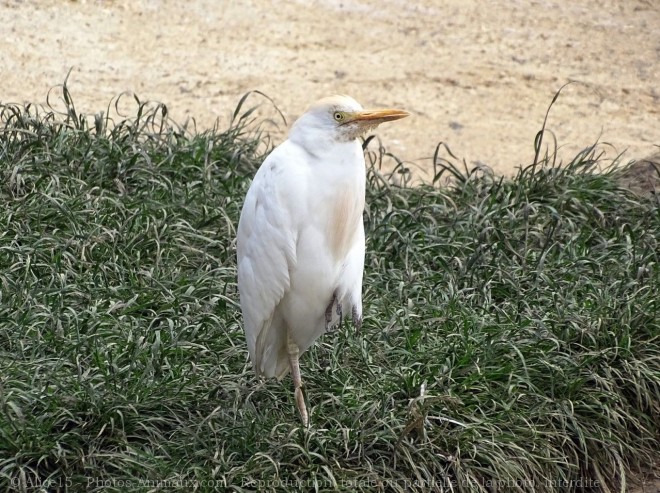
{"x": 352, "y": 276}
{"x": 266, "y": 252}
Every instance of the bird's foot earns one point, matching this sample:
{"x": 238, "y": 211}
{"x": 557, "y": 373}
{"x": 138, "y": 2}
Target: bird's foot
{"x": 328, "y": 315}
{"x": 357, "y": 319}
{"x": 328, "y": 312}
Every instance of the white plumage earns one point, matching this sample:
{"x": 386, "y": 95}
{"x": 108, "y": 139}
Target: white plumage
{"x": 301, "y": 236}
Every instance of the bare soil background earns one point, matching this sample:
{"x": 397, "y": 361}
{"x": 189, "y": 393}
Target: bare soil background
{"x": 477, "y": 76}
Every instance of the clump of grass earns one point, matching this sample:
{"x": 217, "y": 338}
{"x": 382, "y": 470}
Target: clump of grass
{"x": 510, "y": 338}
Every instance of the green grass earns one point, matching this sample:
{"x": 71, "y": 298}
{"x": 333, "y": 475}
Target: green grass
{"x": 511, "y": 330}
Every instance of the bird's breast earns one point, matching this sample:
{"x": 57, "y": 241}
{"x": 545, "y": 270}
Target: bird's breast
{"x": 345, "y": 215}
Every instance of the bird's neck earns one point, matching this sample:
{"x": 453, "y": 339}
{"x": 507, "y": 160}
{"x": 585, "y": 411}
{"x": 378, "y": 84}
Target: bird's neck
{"x": 319, "y": 143}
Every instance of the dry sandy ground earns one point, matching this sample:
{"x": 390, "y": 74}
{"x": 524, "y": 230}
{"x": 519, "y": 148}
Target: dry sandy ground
{"x": 478, "y": 76}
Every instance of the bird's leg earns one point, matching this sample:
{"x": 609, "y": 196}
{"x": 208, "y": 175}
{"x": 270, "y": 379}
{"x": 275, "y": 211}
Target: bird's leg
{"x": 328, "y": 312}
{"x": 357, "y": 319}
{"x": 340, "y": 313}
{"x": 294, "y": 352}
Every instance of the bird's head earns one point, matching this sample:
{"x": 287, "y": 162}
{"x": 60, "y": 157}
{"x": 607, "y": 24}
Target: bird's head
{"x": 341, "y": 119}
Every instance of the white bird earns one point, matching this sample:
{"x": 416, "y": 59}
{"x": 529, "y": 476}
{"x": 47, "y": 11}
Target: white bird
{"x": 300, "y": 240}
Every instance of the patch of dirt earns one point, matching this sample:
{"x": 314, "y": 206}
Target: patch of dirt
{"x": 476, "y": 77}
{"x": 643, "y": 177}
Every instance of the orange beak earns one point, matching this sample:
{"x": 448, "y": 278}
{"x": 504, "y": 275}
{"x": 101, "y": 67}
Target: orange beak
{"x": 376, "y": 117}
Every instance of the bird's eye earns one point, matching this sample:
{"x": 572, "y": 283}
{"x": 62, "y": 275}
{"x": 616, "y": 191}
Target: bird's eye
{"x": 338, "y": 116}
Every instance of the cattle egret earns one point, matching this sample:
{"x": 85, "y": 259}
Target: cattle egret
{"x": 300, "y": 239}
